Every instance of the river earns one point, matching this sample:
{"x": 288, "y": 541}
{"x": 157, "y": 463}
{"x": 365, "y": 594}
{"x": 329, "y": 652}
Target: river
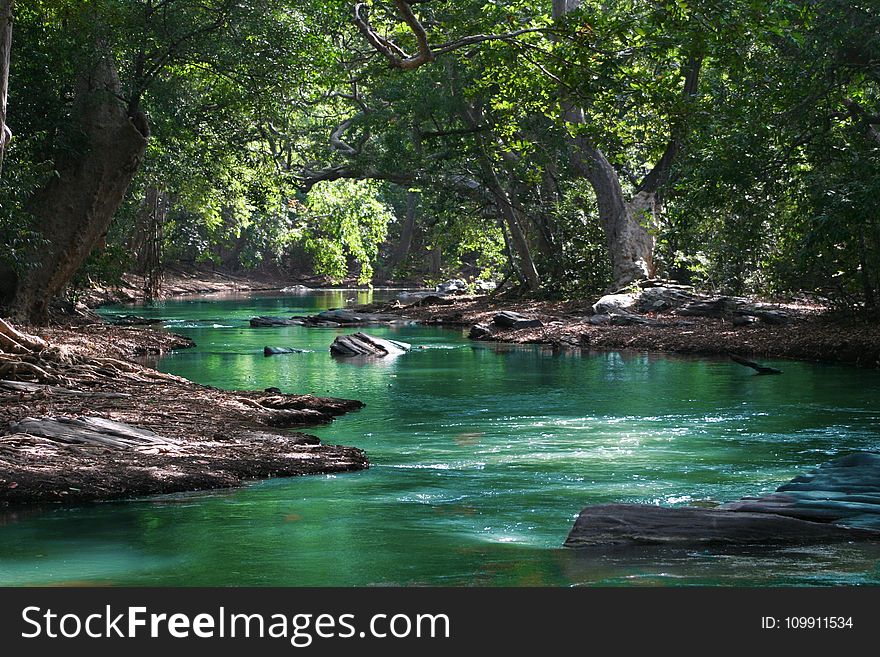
{"x": 482, "y": 456}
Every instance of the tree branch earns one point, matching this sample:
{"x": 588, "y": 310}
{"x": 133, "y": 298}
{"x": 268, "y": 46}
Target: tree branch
{"x": 398, "y": 58}
{"x": 659, "y": 174}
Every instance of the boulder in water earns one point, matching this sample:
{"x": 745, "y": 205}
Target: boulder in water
{"x": 606, "y": 525}
{"x": 361, "y": 344}
{"x": 264, "y": 321}
{"x": 480, "y": 332}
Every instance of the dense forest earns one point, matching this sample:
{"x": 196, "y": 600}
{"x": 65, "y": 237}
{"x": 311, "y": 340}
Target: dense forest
{"x": 568, "y": 147}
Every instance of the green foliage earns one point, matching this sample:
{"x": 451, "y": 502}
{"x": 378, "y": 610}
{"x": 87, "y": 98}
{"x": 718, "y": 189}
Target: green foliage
{"x": 344, "y": 221}
{"x": 773, "y": 188}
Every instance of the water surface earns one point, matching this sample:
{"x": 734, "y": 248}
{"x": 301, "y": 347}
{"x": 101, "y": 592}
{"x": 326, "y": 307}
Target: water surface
{"x": 481, "y": 457}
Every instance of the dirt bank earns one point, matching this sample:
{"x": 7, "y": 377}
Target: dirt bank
{"x": 197, "y": 437}
{"x": 809, "y": 332}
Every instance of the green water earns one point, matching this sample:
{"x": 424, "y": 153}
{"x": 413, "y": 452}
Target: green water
{"x": 481, "y": 458}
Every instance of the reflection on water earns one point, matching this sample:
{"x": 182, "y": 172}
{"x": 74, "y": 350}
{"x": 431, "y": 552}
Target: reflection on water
{"x": 482, "y": 457}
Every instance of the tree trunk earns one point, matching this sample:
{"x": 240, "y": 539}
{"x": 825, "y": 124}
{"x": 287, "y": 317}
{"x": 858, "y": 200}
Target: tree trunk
{"x": 75, "y": 208}
{"x": 630, "y": 245}
{"x": 508, "y": 211}
{"x": 401, "y": 251}
{"x": 5, "y": 52}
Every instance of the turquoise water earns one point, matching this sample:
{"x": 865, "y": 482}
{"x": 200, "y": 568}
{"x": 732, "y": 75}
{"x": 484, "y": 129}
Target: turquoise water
{"x": 481, "y": 456}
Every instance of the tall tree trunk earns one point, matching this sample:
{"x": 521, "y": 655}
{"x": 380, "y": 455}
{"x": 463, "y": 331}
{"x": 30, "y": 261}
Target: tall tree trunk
{"x": 407, "y": 230}
{"x": 5, "y": 53}
{"x": 630, "y": 245}
{"x": 75, "y": 208}
{"x": 518, "y": 241}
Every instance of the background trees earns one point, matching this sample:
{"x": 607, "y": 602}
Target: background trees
{"x": 569, "y": 146}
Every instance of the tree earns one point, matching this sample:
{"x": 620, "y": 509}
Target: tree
{"x": 106, "y": 131}
{"x": 5, "y": 54}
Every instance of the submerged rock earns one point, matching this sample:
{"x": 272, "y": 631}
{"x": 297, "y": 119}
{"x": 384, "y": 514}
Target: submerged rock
{"x": 361, "y": 344}
{"x": 134, "y": 320}
{"x": 344, "y": 317}
{"x": 264, "y": 321}
{"x": 276, "y": 351}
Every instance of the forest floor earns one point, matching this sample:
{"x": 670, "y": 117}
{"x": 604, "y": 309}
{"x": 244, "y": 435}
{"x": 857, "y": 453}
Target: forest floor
{"x": 199, "y": 437}
{"x": 811, "y": 332}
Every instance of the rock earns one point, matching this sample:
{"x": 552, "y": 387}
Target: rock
{"x": 511, "y": 320}
{"x": 658, "y": 299}
{"x": 485, "y": 286}
{"x": 845, "y": 491}
{"x": 660, "y": 282}
{"x": 480, "y": 332}
{"x": 133, "y": 320}
{"x": 718, "y": 307}
{"x": 361, "y": 344}
{"x": 454, "y": 286}
{"x": 599, "y": 320}
{"x": 343, "y": 317}
{"x": 264, "y": 321}
{"x": 744, "y": 320}
{"x": 628, "y": 319}
{"x": 433, "y": 300}
{"x": 611, "y": 303}
{"x": 639, "y": 524}
{"x": 275, "y": 351}
{"x": 776, "y": 317}
{"x": 298, "y": 289}
{"x": 409, "y": 297}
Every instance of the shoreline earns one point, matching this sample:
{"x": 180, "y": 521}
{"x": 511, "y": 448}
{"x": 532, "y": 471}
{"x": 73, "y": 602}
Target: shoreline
{"x": 106, "y": 428}
{"x": 809, "y": 334}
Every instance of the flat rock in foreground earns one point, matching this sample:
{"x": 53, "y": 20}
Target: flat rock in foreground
{"x": 607, "y": 525}
{"x": 838, "y": 501}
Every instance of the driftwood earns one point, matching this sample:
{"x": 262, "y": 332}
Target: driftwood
{"x": 93, "y": 431}
{"x": 38, "y": 388}
{"x": 361, "y": 344}
{"x": 760, "y": 369}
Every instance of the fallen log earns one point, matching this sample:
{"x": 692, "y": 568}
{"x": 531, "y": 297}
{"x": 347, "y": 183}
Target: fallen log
{"x": 760, "y": 369}
{"x": 93, "y": 431}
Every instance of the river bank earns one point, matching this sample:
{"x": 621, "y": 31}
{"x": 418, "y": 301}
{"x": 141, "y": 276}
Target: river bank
{"x": 81, "y": 421}
{"x": 808, "y": 332}
{"x": 178, "y": 282}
